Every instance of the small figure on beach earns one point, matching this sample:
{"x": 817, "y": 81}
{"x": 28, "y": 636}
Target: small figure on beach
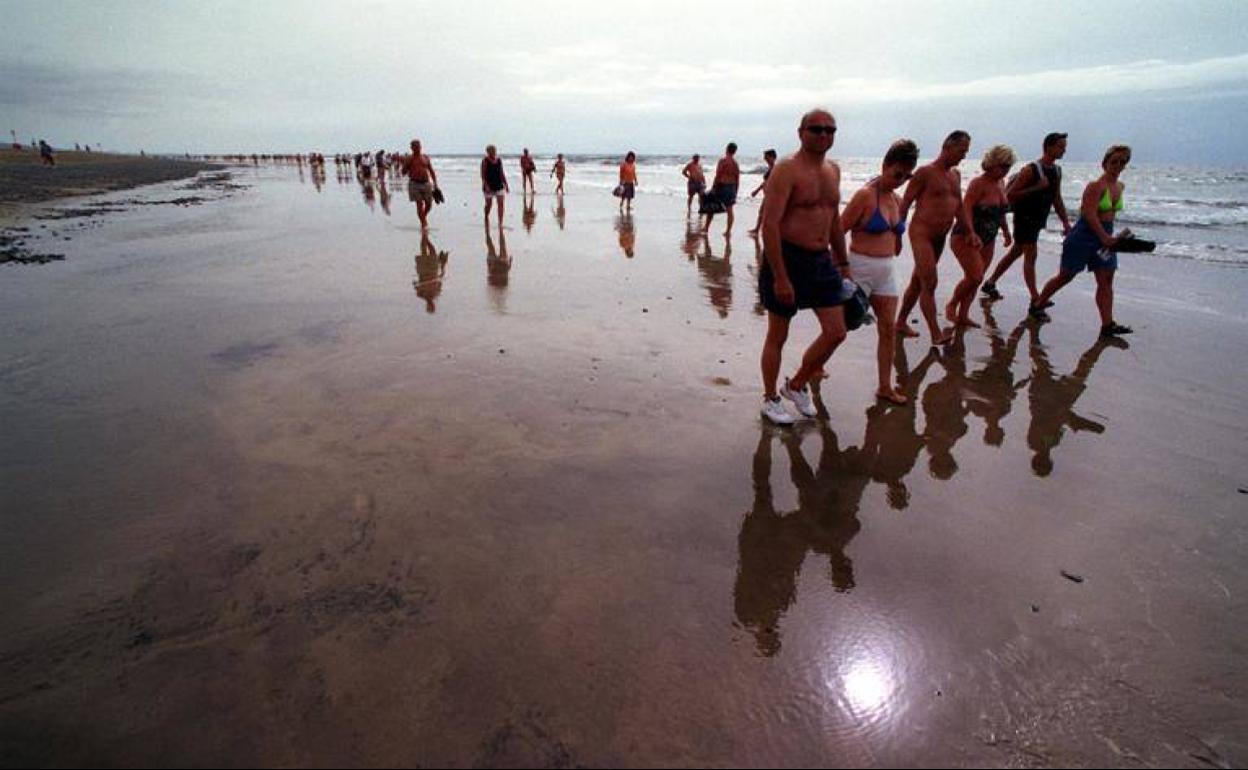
{"x": 527, "y": 167}
{"x": 801, "y": 234}
{"x": 1090, "y": 244}
{"x": 628, "y": 181}
{"x": 46, "y": 157}
{"x": 769, "y": 156}
{"x": 1032, "y": 193}
{"x": 493, "y": 184}
{"x": 984, "y": 205}
{"x": 936, "y": 191}
{"x": 873, "y": 220}
{"x": 696, "y": 184}
{"x": 724, "y": 188}
{"x": 558, "y": 171}
{"x": 422, "y": 182}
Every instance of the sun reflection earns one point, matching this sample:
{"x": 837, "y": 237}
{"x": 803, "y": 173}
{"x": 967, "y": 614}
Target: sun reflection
{"x": 868, "y": 688}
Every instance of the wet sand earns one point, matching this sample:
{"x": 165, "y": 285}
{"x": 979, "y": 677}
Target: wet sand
{"x": 24, "y": 179}
{"x": 284, "y": 485}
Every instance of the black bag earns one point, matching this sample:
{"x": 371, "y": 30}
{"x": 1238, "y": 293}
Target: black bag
{"x": 438, "y": 197}
{"x": 709, "y": 203}
{"x": 857, "y": 306}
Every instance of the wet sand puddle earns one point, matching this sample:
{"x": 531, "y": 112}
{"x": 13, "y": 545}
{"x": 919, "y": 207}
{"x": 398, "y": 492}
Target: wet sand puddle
{"x": 291, "y": 482}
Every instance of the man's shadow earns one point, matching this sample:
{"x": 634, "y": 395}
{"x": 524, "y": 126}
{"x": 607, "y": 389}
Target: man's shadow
{"x": 1052, "y": 399}
{"x": 773, "y": 544}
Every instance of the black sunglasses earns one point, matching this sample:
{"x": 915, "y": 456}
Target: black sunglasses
{"x": 829, "y": 130}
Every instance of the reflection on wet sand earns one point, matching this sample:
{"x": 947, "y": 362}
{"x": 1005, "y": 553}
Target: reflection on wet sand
{"x": 717, "y": 276}
{"x": 891, "y": 442}
{"x": 497, "y": 269}
{"x": 691, "y": 244}
{"x": 430, "y": 272}
{"x": 370, "y": 195}
{"x": 1053, "y": 399}
{"x": 628, "y": 235}
{"x": 991, "y": 390}
{"x": 561, "y": 213}
{"x": 383, "y": 193}
{"x": 528, "y": 214}
{"x": 773, "y": 544}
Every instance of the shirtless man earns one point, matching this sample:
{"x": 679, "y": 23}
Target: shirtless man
{"x": 937, "y": 189}
{"x": 801, "y": 235}
{"x": 697, "y": 180}
{"x": 724, "y": 188}
{"x": 558, "y": 171}
{"x": 421, "y": 182}
{"x": 527, "y": 167}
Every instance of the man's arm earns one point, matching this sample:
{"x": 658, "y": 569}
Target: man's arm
{"x": 914, "y": 190}
{"x": 1059, "y": 205}
{"x": 432, "y": 174}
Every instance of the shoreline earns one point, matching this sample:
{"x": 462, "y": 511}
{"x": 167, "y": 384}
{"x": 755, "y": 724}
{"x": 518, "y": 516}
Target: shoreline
{"x": 23, "y": 180}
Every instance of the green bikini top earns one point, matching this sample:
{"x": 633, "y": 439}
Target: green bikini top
{"x": 1108, "y": 204}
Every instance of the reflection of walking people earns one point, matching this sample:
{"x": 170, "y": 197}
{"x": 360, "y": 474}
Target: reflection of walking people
{"x": 891, "y": 444}
{"x": 430, "y": 272}
{"x": 773, "y": 545}
{"x": 493, "y": 184}
{"x": 1035, "y": 191}
{"x": 1053, "y": 400}
{"x": 801, "y": 233}
{"x": 497, "y": 267}
{"x": 873, "y": 219}
{"x": 628, "y": 236}
{"x": 529, "y": 214}
{"x": 936, "y": 191}
{"x": 716, "y": 276}
{"x": 1091, "y": 241}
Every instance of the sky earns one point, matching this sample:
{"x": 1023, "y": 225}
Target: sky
{"x": 1168, "y": 78}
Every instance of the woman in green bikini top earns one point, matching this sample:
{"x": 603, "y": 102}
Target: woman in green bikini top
{"x": 1090, "y": 244}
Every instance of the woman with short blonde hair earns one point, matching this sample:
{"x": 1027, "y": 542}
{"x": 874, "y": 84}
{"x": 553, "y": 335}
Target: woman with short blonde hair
{"x": 985, "y": 207}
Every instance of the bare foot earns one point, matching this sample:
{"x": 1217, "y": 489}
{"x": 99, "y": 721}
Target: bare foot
{"x": 967, "y": 322}
{"x": 891, "y": 396}
{"x": 820, "y": 374}
{"x": 943, "y": 338}
{"x": 904, "y": 330}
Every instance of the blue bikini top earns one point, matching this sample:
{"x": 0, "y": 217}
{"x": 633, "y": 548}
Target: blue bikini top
{"x": 878, "y": 224}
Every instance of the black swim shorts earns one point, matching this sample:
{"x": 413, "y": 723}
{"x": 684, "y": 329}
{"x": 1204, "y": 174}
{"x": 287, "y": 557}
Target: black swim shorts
{"x": 816, "y": 281}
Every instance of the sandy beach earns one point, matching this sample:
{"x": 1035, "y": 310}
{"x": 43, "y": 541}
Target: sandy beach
{"x": 286, "y": 483}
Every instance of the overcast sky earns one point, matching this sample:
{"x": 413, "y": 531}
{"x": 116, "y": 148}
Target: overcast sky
{"x": 1169, "y": 78}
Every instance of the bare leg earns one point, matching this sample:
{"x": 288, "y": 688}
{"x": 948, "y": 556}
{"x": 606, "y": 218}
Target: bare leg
{"x": 759, "y": 222}
{"x": 1029, "y": 271}
{"x": 973, "y": 262}
{"x": 773, "y": 348}
{"x": 501, "y": 202}
{"x": 832, "y": 333}
{"x": 1053, "y": 286}
{"x": 925, "y": 258}
{"x": 1011, "y": 255}
{"x": 728, "y": 229}
{"x": 1105, "y": 295}
{"x": 489, "y": 203}
{"x": 885, "y": 313}
{"x": 908, "y": 300}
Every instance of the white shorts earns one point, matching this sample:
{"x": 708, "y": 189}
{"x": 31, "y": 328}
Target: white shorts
{"x": 874, "y": 274}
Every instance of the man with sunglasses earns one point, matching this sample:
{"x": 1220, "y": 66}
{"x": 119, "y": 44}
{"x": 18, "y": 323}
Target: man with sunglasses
{"x": 801, "y": 236}
{"x": 937, "y": 190}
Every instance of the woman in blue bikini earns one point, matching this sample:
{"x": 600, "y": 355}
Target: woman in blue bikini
{"x": 1090, "y": 243}
{"x": 873, "y": 220}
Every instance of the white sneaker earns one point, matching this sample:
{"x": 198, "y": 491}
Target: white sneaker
{"x": 773, "y": 409}
{"x": 800, "y": 399}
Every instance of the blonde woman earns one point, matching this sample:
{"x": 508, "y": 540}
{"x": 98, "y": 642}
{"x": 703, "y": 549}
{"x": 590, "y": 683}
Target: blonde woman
{"x": 984, "y": 206}
{"x": 1091, "y": 241}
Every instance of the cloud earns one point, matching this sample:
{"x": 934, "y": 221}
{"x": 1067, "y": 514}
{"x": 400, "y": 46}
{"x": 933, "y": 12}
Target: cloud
{"x": 78, "y": 92}
{"x": 604, "y": 71}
